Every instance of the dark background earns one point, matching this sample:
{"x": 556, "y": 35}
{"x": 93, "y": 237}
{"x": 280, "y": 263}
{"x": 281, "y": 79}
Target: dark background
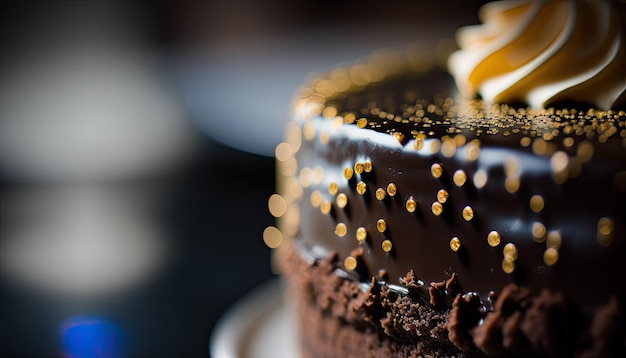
{"x": 186, "y": 148}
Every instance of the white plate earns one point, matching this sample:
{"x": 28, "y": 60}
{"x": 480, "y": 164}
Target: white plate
{"x": 260, "y": 325}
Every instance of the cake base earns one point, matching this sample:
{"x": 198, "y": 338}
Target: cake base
{"x": 339, "y": 317}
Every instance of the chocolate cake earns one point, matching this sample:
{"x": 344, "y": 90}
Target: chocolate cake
{"x": 415, "y": 220}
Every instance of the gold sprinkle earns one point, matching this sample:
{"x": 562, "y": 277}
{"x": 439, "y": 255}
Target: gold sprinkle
{"x": 411, "y": 205}
{"x": 525, "y": 141}
{"x": 272, "y": 237}
{"x": 559, "y": 161}
{"x": 442, "y": 196}
{"x": 550, "y": 256}
{"x": 306, "y": 174}
{"x": 367, "y": 166}
{"x": 511, "y": 184}
{"x": 568, "y": 142}
{"x": 358, "y": 167}
{"x": 605, "y": 226}
{"x": 419, "y": 144}
{"x": 381, "y": 225}
{"x": 283, "y": 152}
{"x": 436, "y": 170}
{"x": 325, "y": 207}
{"x": 387, "y": 245}
{"x": 584, "y": 152}
{"x": 399, "y": 136}
{"x": 553, "y": 240}
{"x": 512, "y": 167}
{"x": 329, "y": 112}
{"x": 540, "y": 147}
{"x": 361, "y": 187}
{"x": 341, "y": 230}
{"x": 448, "y": 148}
{"x": 309, "y": 131}
{"x": 348, "y": 173}
{"x": 510, "y": 252}
{"x": 459, "y": 177}
{"x": 349, "y": 118}
{"x": 468, "y": 213}
{"x": 277, "y": 205}
{"x": 380, "y": 194}
{"x": 437, "y": 208}
{"x": 455, "y": 244}
{"x": 392, "y": 189}
{"x": 350, "y": 263}
{"x": 472, "y": 151}
{"x": 316, "y": 198}
{"x": 361, "y": 234}
{"x": 539, "y": 232}
{"x": 508, "y": 266}
{"x": 361, "y": 123}
{"x": 460, "y": 140}
{"x": 493, "y": 238}
{"x": 333, "y": 188}
{"x": 342, "y": 200}
{"x": 324, "y": 137}
{"x": 435, "y": 145}
{"x": 318, "y": 175}
{"x": 480, "y": 178}
{"x": 536, "y": 203}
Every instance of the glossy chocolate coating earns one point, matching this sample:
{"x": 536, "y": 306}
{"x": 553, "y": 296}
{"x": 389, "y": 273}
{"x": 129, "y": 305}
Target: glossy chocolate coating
{"x": 574, "y": 205}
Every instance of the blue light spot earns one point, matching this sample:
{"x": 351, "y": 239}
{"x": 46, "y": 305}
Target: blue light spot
{"x": 92, "y": 337}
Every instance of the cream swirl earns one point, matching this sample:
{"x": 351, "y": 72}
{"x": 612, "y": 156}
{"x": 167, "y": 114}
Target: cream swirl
{"x": 544, "y": 52}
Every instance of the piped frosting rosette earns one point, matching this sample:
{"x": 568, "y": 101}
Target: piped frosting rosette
{"x": 544, "y": 52}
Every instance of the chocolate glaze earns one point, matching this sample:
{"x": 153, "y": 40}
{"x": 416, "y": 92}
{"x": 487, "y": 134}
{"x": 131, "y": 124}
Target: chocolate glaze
{"x": 585, "y": 270}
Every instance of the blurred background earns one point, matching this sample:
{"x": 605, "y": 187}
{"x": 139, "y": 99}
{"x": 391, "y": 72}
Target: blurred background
{"x": 136, "y": 157}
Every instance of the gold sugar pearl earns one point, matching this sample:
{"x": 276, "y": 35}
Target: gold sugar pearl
{"x": 550, "y": 256}
{"x": 361, "y": 187}
{"x": 419, "y": 144}
{"x": 455, "y": 244}
{"x": 358, "y": 167}
{"x": 272, "y": 237}
{"x": 472, "y": 150}
{"x": 350, "y": 263}
{"x": 510, "y": 252}
{"x": 387, "y": 245}
{"x": 399, "y": 136}
{"x": 493, "y": 238}
{"x": 308, "y": 131}
{"x": 381, "y": 225}
{"x": 436, "y": 170}
{"x": 459, "y": 177}
{"x": 316, "y": 198}
{"x": 508, "y": 266}
{"x": 342, "y": 200}
{"x": 442, "y": 196}
{"x": 480, "y": 178}
{"x": 468, "y": 213}
{"x": 511, "y": 184}
{"x": 361, "y": 234}
{"x": 536, "y": 203}
{"x": 341, "y": 230}
{"x": 325, "y": 207}
{"x": 283, "y": 152}
{"x": 525, "y": 141}
{"x": 553, "y": 240}
{"x": 539, "y": 232}
{"x": 277, "y": 205}
{"x": 437, "y": 208}
{"x": 392, "y": 189}
{"x": 380, "y": 194}
{"x": 411, "y": 205}
{"x": 361, "y": 122}
{"x": 333, "y": 188}
{"x": 348, "y": 173}
{"x": 605, "y": 226}
{"x": 367, "y": 166}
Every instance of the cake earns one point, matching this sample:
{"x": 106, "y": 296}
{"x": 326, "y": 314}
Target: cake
{"x": 472, "y": 211}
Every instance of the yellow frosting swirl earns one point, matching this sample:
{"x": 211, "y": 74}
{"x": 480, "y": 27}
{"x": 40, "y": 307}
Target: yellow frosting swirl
{"x": 544, "y": 52}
